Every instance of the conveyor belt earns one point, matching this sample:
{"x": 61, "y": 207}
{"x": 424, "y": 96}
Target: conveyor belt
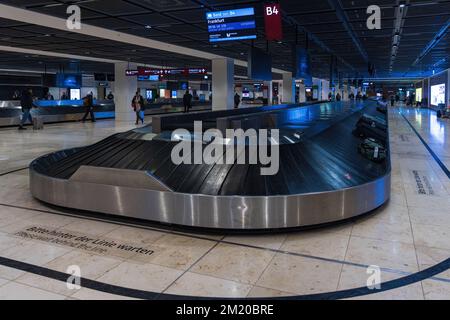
{"x": 324, "y": 160}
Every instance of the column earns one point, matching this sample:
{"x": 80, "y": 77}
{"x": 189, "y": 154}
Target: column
{"x": 269, "y": 92}
{"x": 301, "y": 92}
{"x": 288, "y": 88}
{"x": 124, "y": 90}
{"x": 447, "y": 87}
{"x": 222, "y": 84}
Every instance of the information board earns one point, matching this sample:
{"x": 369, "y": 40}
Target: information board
{"x": 229, "y": 25}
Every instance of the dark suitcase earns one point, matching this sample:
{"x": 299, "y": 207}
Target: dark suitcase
{"x": 372, "y": 150}
{"x": 371, "y": 127}
{"x": 38, "y": 123}
{"x": 363, "y": 130}
{"x": 382, "y": 109}
{"x": 439, "y": 114}
{"x": 373, "y": 121}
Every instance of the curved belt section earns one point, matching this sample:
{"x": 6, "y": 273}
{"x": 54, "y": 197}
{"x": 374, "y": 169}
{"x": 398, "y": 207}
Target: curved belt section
{"x": 137, "y": 194}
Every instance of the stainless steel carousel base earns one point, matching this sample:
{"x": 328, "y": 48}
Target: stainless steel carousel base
{"x": 138, "y": 195}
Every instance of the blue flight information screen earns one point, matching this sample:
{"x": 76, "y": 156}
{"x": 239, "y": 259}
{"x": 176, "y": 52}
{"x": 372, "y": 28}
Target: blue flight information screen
{"x": 229, "y": 25}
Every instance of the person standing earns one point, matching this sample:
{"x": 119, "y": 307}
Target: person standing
{"x": 27, "y": 104}
{"x": 187, "y": 101}
{"x": 88, "y": 102}
{"x": 138, "y": 105}
{"x": 237, "y": 100}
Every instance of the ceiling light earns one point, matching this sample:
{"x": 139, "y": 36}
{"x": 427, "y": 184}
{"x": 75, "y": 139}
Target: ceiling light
{"x": 148, "y": 27}
{"x": 402, "y": 5}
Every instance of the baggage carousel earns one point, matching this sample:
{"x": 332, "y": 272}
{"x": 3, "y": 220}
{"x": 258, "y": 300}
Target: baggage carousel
{"x": 322, "y": 177}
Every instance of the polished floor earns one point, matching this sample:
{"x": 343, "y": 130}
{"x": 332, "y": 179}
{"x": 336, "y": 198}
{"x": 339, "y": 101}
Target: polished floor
{"x": 408, "y": 235}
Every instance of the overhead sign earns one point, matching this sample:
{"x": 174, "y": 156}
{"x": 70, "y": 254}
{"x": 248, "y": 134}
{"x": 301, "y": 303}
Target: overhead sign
{"x": 131, "y": 73}
{"x": 272, "y": 20}
{"x": 301, "y": 65}
{"x": 259, "y": 65}
{"x": 231, "y": 25}
{"x": 163, "y": 72}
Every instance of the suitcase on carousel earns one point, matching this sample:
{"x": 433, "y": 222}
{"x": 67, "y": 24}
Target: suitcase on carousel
{"x": 382, "y": 109}
{"x": 371, "y": 127}
{"x": 373, "y": 150}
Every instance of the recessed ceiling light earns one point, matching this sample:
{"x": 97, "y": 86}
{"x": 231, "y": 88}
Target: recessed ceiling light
{"x": 148, "y": 27}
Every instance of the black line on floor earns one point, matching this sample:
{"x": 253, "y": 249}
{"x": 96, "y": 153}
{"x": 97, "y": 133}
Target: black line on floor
{"x": 150, "y": 295}
{"x": 434, "y": 155}
{"x": 12, "y": 171}
{"x": 199, "y": 237}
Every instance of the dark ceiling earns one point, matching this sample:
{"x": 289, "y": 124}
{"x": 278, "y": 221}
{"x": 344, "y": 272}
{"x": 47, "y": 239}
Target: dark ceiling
{"x": 182, "y": 22}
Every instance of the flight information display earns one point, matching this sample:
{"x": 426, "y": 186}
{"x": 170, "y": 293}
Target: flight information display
{"x": 229, "y": 25}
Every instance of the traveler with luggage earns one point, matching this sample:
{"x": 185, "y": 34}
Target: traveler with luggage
{"x": 27, "y": 104}
{"x": 237, "y": 100}
{"x": 88, "y": 103}
{"x": 187, "y": 101}
{"x": 138, "y": 105}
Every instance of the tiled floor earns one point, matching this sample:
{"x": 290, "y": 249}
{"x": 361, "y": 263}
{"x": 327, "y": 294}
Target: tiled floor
{"x": 409, "y": 234}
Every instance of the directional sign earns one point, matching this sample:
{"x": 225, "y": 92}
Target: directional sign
{"x": 162, "y": 72}
{"x": 272, "y": 19}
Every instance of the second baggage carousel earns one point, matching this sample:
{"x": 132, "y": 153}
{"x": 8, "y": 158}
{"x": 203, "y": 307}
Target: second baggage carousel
{"x": 322, "y": 177}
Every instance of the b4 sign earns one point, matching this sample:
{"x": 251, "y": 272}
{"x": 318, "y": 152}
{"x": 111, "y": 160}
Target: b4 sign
{"x": 272, "y": 20}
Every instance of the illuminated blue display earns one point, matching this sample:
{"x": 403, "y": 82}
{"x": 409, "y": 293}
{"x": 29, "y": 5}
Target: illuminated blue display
{"x": 233, "y": 38}
{"x": 232, "y": 26}
{"x": 230, "y": 13}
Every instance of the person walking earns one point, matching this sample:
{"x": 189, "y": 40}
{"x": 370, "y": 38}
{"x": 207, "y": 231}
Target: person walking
{"x": 138, "y": 105}
{"x": 187, "y": 101}
{"x": 26, "y": 102}
{"x": 88, "y": 102}
{"x": 237, "y": 100}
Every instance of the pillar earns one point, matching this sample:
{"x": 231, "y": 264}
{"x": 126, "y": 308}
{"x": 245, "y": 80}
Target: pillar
{"x": 288, "y": 88}
{"x": 269, "y": 92}
{"x": 124, "y": 90}
{"x": 301, "y": 92}
{"x": 447, "y": 87}
{"x": 222, "y": 83}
